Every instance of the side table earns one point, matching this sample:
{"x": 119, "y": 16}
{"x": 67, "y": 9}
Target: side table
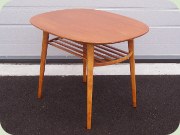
{"x": 88, "y": 34}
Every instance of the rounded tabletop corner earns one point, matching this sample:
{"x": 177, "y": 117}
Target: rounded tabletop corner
{"x": 89, "y": 26}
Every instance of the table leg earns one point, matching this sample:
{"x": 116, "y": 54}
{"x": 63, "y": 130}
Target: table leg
{"x": 43, "y": 62}
{"x": 84, "y": 64}
{"x": 132, "y": 70}
{"x": 90, "y": 66}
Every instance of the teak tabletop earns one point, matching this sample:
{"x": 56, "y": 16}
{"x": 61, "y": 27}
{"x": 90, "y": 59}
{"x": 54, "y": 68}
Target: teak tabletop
{"x": 86, "y": 33}
{"x": 89, "y": 26}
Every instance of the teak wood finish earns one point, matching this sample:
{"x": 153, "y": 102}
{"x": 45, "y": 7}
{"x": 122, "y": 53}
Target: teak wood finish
{"x": 88, "y": 33}
{"x": 43, "y": 62}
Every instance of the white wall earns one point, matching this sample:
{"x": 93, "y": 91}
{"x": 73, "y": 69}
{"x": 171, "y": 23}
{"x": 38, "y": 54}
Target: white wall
{"x": 18, "y": 39}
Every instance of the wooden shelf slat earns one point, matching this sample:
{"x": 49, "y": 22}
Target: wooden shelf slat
{"x": 64, "y": 49}
{"x": 67, "y": 46}
{"x": 71, "y": 43}
{"x": 117, "y": 49}
{"x": 112, "y": 51}
{"x": 103, "y": 54}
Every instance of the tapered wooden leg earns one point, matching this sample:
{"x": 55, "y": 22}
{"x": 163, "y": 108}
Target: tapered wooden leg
{"x": 84, "y": 64}
{"x": 132, "y": 70}
{"x": 90, "y": 65}
{"x": 43, "y": 62}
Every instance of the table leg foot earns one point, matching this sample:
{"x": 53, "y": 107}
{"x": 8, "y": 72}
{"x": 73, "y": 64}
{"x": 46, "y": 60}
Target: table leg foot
{"x": 134, "y": 104}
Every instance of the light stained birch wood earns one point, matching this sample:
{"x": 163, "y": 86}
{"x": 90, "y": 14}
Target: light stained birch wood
{"x": 79, "y": 25}
{"x": 85, "y": 41}
{"x": 132, "y": 70}
{"x": 113, "y": 61}
{"x": 43, "y": 62}
{"x": 90, "y": 65}
{"x": 84, "y": 63}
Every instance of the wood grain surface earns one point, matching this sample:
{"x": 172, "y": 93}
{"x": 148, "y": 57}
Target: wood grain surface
{"x": 89, "y": 26}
